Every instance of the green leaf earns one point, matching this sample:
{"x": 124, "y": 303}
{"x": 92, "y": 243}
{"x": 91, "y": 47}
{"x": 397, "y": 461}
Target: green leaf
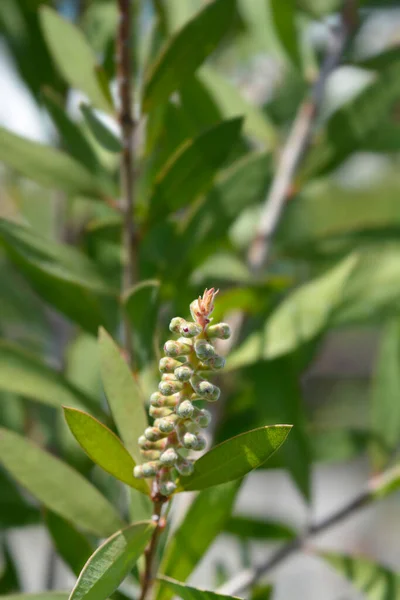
{"x": 385, "y": 406}
{"x": 15, "y": 511}
{"x": 236, "y": 457}
{"x": 232, "y": 103}
{"x": 141, "y": 304}
{"x": 71, "y": 545}
{"x": 110, "y": 564}
{"x": 57, "y": 485}
{"x": 73, "y": 138}
{"x": 101, "y": 132}
{"x": 186, "y": 51}
{"x": 47, "y": 166}
{"x": 196, "y": 533}
{"x": 247, "y": 528}
{"x": 61, "y": 274}
{"x": 373, "y": 580}
{"x": 307, "y": 311}
{"x": 103, "y": 447}
{"x": 39, "y": 596}
{"x": 9, "y": 580}
{"x": 190, "y": 593}
{"x": 74, "y": 57}
{"x": 263, "y": 592}
{"x": 242, "y": 185}
{"x": 191, "y": 170}
{"x": 22, "y": 373}
{"x": 123, "y": 395}
{"x": 284, "y": 20}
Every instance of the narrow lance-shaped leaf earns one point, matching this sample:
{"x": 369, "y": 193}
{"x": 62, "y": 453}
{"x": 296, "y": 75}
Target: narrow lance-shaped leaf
{"x": 236, "y": 457}
{"x": 196, "y": 533}
{"x": 186, "y": 51}
{"x": 71, "y": 545}
{"x": 46, "y": 165}
{"x": 187, "y": 592}
{"x": 248, "y": 528}
{"x": 103, "y": 447}
{"x": 373, "y": 580}
{"x": 74, "y": 57}
{"x": 123, "y": 395}
{"x": 100, "y": 131}
{"x": 141, "y": 304}
{"x": 22, "y": 373}
{"x": 284, "y": 20}
{"x": 109, "y": 565}
{"x": 57, "y": 485}
{"x": 39, "y": 596}
{"x": 191, "y": 170}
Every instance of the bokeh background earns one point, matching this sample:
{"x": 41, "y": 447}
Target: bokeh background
{"x": 319, "y": 344}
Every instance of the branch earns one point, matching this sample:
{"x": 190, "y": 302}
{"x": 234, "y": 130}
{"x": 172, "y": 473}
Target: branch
{"x": 127, "y": 124}
{"x": 298, "y": 142}
{"x": 376, "y": 489}
{"x": 150, "y": 552}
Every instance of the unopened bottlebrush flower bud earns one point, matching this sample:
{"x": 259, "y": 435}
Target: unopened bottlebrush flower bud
{"x": 221, "y": 331}
{"x": 185, "y": 410}
{"x": 138, "y": 472}
{"x": 215, "y": 362}
{"x": 176, "y": 348}
{"x": 159, "y": 413}
{"x": 205, "y": 389}
{"x": 168, "y": 364}
{"x": 151, "y": 454}
{"x": 189, "y": 329}
{"x": 167, "y": 488}
{"x": 169, "y": 457}
{"x": 157, "y": 399}
{"x": 183, "y": 373}
{"x": 168, "y": 388}
{"x": 150, "y": 468}
{"x": 201, "y": 443}
{"x": 184, "y": 467}
{"x": 204, "y": 418}
{"x": 190, "y": 440}
{"x": 166, "y": 425}
{"x": 175, "y": 324}
{"x": 204, "y": 349}
{"x": 153, "y": 434}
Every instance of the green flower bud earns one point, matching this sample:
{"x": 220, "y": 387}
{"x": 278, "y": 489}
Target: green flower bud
{"x": 167, "y": 488}
{"x": 221, "y": 331}
{"x": 183, "y": 373}
{"x": 146, "y": 445}
{"x": 166, "y": 425}
{"x": 204, "y": 418}
{"x": 138, "y": 472}
{"x": 189, "y": 329}
{"x": 175, "y": 325}
{"x": 150, "y": 469}
{"x": 168, "y": 388}
{"x": 151, "y": 454}
{"x": 157, "y": 399}
{"x": 201, "y": 443}
{"x": 205, "y": 389}
{"x": 204, "y": 350}
{"x": 168, "y": 364}
{"x": 185, "y": 410}
{"x": 153, "y": 434}
{"x": 159, "y": 413}
{"x": 176, "y": 348}
{"x": 185, "y": 467}
{"x": 169, "y": 457}
{"x": 216, "y": 362}
{"x": 190, "y": 440}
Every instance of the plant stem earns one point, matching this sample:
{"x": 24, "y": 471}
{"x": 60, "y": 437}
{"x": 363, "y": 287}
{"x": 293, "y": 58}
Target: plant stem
{"x": 150, "y": 552}
{"x": 128, "y": 125}
{"x": 377, "y": 488}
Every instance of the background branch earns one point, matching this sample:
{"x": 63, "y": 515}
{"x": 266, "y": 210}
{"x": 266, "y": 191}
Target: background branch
{"x": 377, "y": 488}
{"x": 127, "y": 124}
